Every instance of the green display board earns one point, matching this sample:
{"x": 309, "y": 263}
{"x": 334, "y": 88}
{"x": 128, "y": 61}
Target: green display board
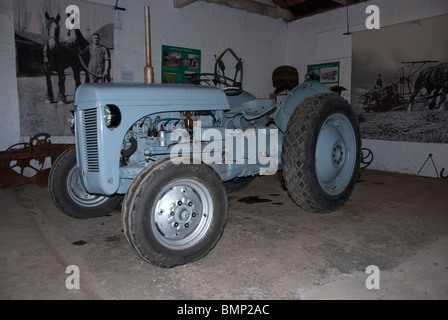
{"x": 180, "y": 65}
{"x": 326, "y": 73}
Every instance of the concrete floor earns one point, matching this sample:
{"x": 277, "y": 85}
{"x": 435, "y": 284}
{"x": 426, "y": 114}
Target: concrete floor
{"x": 270, "y": 249}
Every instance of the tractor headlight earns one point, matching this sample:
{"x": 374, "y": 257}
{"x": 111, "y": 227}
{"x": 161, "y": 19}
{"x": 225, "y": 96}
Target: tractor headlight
{"x": 112, "y": 116}
{"x": 71, "y": 120}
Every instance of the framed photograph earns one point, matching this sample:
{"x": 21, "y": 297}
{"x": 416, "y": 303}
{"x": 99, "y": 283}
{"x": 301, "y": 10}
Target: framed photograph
{"x": 54, "y": 56}
{"x": 398, "y": 86}
{"x": 180, "y": 65}
{"x": 326, "y": 73}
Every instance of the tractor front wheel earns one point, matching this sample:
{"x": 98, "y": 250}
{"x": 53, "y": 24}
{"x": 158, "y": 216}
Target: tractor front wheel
{"x": 69, "y": 194}
{"x": 174, "y": 214}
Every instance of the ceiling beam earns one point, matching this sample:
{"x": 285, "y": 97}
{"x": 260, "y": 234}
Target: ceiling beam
{"x": 179, "y": 4}
{"x": 290, "y": 3}
{"x": 250, "y": 6}
{"x": 246, "y": 5}
{"x": 343, "y": 2}
{"x": 287, "y": 15}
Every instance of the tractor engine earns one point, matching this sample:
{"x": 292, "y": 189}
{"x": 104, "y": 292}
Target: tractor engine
{"x": 150, "y": 138}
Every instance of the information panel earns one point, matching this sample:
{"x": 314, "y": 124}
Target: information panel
{"x": 180, "y": 65}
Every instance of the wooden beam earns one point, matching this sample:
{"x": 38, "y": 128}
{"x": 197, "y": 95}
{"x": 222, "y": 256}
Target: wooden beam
{"x": 290, "y": 3}
{"x": 343, "y": 2}
{"x": 287, "y": 15}
{"x": 278, "y": 11}
{"x": 250, "y": 6}
{"x": 179, "y": 4}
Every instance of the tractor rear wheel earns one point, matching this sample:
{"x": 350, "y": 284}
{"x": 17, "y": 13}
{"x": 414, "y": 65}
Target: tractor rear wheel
{"x": 321, "y": 153}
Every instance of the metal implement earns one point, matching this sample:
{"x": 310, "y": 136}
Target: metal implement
{"x": 24, "y": 162}
{"x": 366, "y": 157}
{"x": 442, "y": 176}
{"x": 232, "y": 87}
{"x": 434, "y": 165}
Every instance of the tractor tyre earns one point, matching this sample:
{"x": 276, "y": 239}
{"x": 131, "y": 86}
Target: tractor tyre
{"x": 321, "y": 153}
{"x": 174, "y": 214}
{"x": 69, "y": 194}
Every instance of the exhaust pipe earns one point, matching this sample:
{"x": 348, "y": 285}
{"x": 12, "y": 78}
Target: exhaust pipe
{"x": 149, "y": 71}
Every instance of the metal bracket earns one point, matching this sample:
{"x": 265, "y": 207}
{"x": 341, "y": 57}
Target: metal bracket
{"x": 348, "y": 20}
{"x": 442, "y": 176}
{"x": 117, "y": 7}
{"x": 429, "y": 157}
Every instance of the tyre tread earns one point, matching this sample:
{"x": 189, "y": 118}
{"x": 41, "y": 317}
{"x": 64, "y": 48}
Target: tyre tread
{"x": 298, "y": 154}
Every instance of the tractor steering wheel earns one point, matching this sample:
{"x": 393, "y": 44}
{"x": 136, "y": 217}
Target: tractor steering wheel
{"x": 228, "y": 85}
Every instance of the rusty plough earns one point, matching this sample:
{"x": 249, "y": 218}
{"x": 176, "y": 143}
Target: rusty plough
{"x": 24, "y": 162}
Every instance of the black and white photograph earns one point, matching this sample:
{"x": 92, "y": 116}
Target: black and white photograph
{"x": 329, "y": 75}
{"x": 56, "y": 54}
{"x": 400, "y": 81}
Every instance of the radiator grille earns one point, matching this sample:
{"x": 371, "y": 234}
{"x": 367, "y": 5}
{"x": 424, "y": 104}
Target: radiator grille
{"x": 91, "y": 140}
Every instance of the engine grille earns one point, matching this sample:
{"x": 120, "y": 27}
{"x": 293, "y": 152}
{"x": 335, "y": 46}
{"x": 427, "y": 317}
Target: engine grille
{"x": 90, "y": 144}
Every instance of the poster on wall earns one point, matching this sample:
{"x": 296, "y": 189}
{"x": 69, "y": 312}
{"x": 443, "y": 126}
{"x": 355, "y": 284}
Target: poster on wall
{"x": 180, "y": 65}
{"x": 60, "y": 44}
{"x": 400, "y": 81}
{"x": 326, "y": 73}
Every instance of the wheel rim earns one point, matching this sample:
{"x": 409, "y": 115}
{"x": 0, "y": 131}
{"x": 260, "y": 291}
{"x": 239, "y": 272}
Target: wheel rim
{"x": 336, "y": 151}
{"x": 79, "y": 194}
{"x": 182, "y": 214}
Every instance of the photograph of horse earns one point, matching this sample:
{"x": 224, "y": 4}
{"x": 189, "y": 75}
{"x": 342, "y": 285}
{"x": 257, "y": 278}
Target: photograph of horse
{"x": 411, "y": 103}
{"x": 53, "y": 58}
{"x": 59, "y": 56}
{"x": 434, "y": 80}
